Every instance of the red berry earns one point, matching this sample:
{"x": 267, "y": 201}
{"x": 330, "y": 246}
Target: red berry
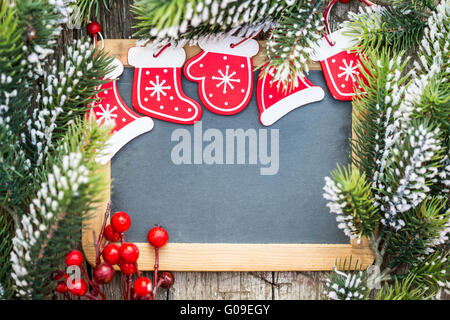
{"x": 78, "y": 288}
{"x": 129, "y": 252}
{"x": 344, "y": 1}
{"x": 74, "y": 258}
{"x": 59, "y": 275}
{"x": 111, "y": 254}
{"x": 120, "y": 221}
{"x": 94, "y": 28}
{"x": 111, "y": 234}
{"x": 142, "y": 286}
{"x": 61, "y": 287}
{"x": 157, "y": 237}
{"x": 127, "y": 268}
{"x": 103, "y": 273}
{"x": 166, "y": 279}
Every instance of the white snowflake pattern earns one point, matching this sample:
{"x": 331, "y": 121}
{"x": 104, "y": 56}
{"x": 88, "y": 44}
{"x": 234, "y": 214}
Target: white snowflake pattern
{"x": 158, "y": 88}
{"x": 350, "y": 70}
{"x": 226, "y": 79}
{"x": 107, "y": 114}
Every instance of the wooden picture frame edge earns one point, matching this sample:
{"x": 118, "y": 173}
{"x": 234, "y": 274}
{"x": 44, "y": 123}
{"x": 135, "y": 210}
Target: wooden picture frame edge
{"x": 226, "y": 256}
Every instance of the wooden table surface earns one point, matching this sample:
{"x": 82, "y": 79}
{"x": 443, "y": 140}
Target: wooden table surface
{"x": 216, "y": 285}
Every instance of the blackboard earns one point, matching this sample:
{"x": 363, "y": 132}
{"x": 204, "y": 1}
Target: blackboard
{"x": 235, "y": 203}
{"x": 233, "y": 217}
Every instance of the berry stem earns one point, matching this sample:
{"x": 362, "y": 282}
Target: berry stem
{"x": 102, "y": 232}
{"x": 68, "y": 297}
{"x": 92, "y": 297}
{"x": 155, "y": 279}
{"x": 138, "y": 273}
{"x": 129, "y": 287}
{"x": 92, "y": 283}
{"x": 124, "y": 289}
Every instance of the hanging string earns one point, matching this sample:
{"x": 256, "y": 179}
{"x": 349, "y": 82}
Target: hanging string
{"x": 233, "y": 45}
{"x": 156, "y": 54}
{"x": 327, "y": 30}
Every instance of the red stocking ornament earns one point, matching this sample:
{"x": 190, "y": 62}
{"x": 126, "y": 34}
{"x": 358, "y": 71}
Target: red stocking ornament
{"x": 274, "y": 102}
{"x": 341, "y": 67}
{"x": 224, "y": 71}
{"x": 157, "y": 88}
{"x": 111, "y": 109}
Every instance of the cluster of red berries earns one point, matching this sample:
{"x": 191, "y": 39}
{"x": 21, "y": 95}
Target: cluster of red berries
{"x": 125, "y": 255}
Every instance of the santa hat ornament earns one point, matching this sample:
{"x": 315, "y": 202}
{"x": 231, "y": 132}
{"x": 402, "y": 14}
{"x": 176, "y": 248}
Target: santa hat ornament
{"x": 224, "y": 72}
{"x": 157, "y": 88}
{"x": 275, "y": 101}
{"x": 341, "y": 67}
{"x": 112, "y": 110}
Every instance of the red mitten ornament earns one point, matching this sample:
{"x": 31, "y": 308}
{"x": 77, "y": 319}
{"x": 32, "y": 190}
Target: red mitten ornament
{"x": 111, "y": 109}
{"x": 157, "y": 88}
{"x": 274, "y": 102}
{"x": 224, "y": 72}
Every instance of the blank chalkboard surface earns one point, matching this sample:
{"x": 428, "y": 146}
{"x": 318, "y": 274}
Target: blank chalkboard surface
{"x": 257, "y": 207}
{"x": 235, "y": 203}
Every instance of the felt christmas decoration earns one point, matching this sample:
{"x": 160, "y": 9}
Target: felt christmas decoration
{"x": 274, "y": 102}
{"x": 341, "y": 67}
{"x": 157, "y": 88}
{"x": 112, "y": 110}
{"x": 224, "y": 72}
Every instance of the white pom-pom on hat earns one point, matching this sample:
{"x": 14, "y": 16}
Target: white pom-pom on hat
{"x": 247, "y": 48}
{"x": 117, "y": 69}
{"x": 143, "y": 57}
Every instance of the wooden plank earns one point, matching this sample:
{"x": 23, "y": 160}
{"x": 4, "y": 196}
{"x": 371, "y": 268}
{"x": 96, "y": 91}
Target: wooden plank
{"x": 119, "y": 49}
{"x": 299, "y": 285}
{"x": 222, "y": 285}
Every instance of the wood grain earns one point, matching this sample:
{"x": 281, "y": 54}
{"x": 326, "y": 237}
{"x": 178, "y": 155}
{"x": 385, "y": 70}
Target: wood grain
{"x": 119, "y": 49}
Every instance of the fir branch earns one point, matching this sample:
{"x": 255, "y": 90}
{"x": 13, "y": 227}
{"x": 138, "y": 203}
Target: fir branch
{"x": 403, "y": 290}
{"x": 181, "y": 20}
{"x": 349, "y": 196}
{"x": 68, "y": 195}
{"x": 380, "y": 96}
{"x": 343, "y": 284}
{"x": 291, "y": 41}
{"x": 85, "y": 10}
{"x": 403, "y": 179}
{"x": 429, "y": 91}
{"x": 426, "y": 228}
{"x": 433, "y": 272}
{"x": 391, "y": 27}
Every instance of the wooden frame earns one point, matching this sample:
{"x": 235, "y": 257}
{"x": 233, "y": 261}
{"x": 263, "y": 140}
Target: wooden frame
{"x": 219, "y": 256}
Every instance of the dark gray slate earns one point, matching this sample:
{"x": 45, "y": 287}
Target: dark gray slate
{"x": 234, "y": 203}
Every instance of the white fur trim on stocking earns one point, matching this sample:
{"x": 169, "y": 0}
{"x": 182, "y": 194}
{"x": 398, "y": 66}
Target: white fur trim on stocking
{"x": 142, "y": 57}
{"x": 123, "y": 136}
{"x": 117, "y": 69}
{"x": 289, "y": 103}
{"x": 248, "y": 48}
{"x": 323, "y": 50}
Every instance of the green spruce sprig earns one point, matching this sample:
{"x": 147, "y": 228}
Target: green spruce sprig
{"x": 349, "y": 196}
{"x": 291, "y": 43}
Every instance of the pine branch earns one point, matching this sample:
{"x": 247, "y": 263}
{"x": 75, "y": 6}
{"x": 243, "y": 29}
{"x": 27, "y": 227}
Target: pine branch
{"x": 290, "y": 44}
{"x": 426, "y": 228}
{"x": 349, "y": 196}
{"x": 403, "y": 178}
{"x": 85, "y": 10}
{"x": 394, "y": 27}
{"x": 343, "y": 284}
{"x": 373, "y": 121}
{"x": 403, "y": 290}
{"x": 68, "y": 195}
{"x": 181, "y": 20}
